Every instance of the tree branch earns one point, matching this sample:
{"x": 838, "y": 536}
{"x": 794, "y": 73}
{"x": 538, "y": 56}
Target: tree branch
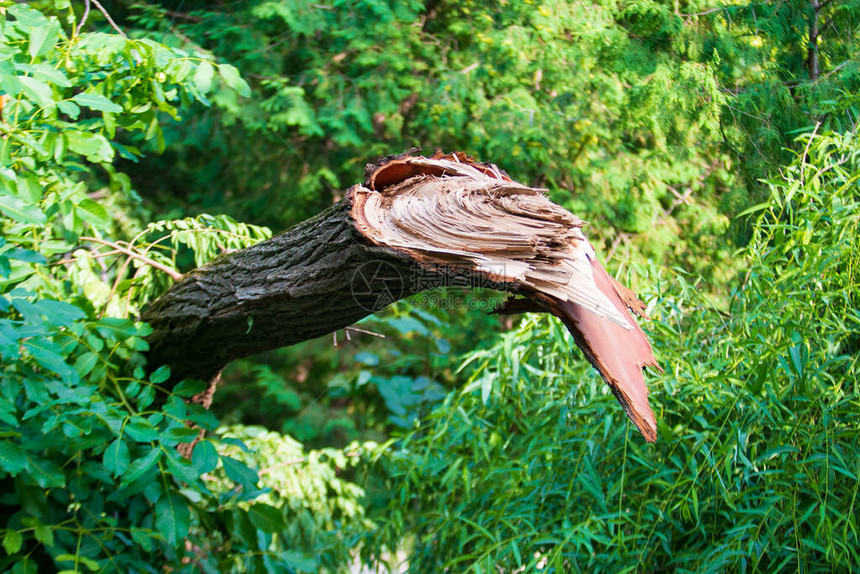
{"x": 107, "y": 17}
{"x": 104, "y": 13}
{"x": 417, "y": 223}
{"x": 173, "y": 273}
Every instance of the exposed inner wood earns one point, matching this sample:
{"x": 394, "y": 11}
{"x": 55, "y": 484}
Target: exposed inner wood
{"x": 416, "y": 223}
{"x": 459, "y": 215}
{"x": 449, "y": 209}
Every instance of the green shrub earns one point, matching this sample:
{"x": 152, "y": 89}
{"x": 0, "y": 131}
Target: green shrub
{"x": 90, "y": 475}
{"x": 532, "y": 464}
{"x": 756, "y": 463}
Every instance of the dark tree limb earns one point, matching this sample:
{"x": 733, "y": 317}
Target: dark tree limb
{"x": 812, "y": 48}
{"x": 315, "y": 278}
{"x": 417, "y": 223}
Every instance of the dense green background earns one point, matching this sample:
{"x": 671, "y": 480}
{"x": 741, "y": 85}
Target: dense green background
{"x": 717, "y": 165}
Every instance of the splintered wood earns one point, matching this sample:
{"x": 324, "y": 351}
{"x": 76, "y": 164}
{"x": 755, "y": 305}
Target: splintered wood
{"x": 450, "y": 210}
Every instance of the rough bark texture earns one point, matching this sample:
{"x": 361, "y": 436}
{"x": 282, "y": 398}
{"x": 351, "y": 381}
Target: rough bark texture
{"x": 315, "y": 278}
{"x": 416, "y": 224}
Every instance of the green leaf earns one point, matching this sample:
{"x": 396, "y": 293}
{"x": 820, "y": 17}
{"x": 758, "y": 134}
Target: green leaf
{"x": 121, "y": 329}
{"x": 48, "y": 355}
{"x": 71, "y": 109}
{"x": 368, "y": 359}
{"x": 143, "y": 538}
{"x": 203, "y": 77}
{"x": 239, "y": 473}
{"x": 85, "y": 363}
{"x": 172, "y": 517}
{"x": 116, "y": 457}
{"x": 160, "y": 375}
{"x": 298, "y": 561}
{"x": 29, "y": 188}
{"x": 182, "y": 434}
{"x": 59, "y": 312}
{"x": 140, "y": 466}
{"x": 92, "y": 212}
{"x": 189, "y": 388}
{"x": 180, "y": 467}
{"x": 176, "y": 407}
{"x": 205, "y": 457}
{"x": 27, "y": 18}
{"x": 44, "y": 534}
{"x": 147, "y": 396}
{"x": 486, "y": 387}
{"x": 203, "y": 418}
{"x": 247, "y": 532}
{"x": 79, "y": 559}
{"x": 26, "y": 255}
{"x": 11, "y": 457}
{"x": 42, "y": 39}
{"x": 46, "y": 473}
{"x": 12, "y": 541}
{"x": 94, "y": 146}
{"x": 37, "y": 90}
{"x": 267, "y": 518}
{"x": 52, "y": 75}
{"x": 231, "y": 77}
{"x": 141, "y": 430}
{"x": 21, "y": 211}
{"x": 96, "y": 102}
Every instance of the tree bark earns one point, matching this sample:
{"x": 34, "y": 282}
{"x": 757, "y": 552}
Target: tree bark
{"x": 313, "y": 279}
{"x": 812, "y": 49}
{"x": 417, "y": 223}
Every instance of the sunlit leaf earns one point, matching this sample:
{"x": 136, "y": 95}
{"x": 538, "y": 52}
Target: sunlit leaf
{"x": 96, "y": 102}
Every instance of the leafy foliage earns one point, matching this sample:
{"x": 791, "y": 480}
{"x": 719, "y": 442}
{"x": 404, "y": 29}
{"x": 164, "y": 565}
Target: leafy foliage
{"x": 562, "y": 92}
{"x": 310, "y": 516}
{"x": 755, "y": 467}
{"x": 88, "y": 460}
{"x": 664, "y": 119}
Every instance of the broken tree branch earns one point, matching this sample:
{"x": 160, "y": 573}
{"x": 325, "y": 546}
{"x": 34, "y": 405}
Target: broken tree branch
{"x": 417, "y": 223}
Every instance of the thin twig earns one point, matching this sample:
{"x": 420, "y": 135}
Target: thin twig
{"x": 182, "y": 36}
{"x": 107, "y": 17}
{"x": 468, "y": 69}
{"x": 96, "y": 255}
{"x": 685, "y": 199}
{"x": 357, "y": 330}
{"x": 834, "y": 70}
{"x": 173, "y": 273}
{"x": 182, "y": 15}
{"x": 616, "y": 242}
{"x": 84, "y": 17}
{"x": 706, "y": 12}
